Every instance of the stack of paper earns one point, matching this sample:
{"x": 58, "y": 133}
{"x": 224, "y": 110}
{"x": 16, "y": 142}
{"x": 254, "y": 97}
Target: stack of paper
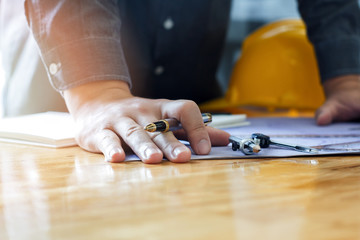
{"x": 228, "y": 121}
{"x": 50, "y": 129}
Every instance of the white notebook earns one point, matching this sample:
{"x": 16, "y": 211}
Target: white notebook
{"x": 228, "y": 121}
{"x": 49, "y": 129}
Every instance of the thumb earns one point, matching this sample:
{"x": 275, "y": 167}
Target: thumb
{"x": 325, "y": 114}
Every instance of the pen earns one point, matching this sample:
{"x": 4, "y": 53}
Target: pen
{"x": 247, "y": 145}
{"x": 172, "y": 124}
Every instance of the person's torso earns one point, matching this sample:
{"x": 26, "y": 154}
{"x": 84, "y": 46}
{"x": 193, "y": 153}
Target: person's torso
{"x": 173, "y": 47}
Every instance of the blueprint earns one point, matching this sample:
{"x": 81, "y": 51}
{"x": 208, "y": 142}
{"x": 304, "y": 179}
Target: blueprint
{"x": 337, "y": 138}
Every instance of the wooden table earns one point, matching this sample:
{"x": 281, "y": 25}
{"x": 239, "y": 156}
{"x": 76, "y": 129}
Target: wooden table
{"x": 72, "y": 194}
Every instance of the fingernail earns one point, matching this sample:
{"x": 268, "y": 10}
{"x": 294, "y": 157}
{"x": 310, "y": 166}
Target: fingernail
{"x": 149, "y": 152}
{"x": 152, "y": 155}
{"x": 203, "y": 147}
{"x": 110, "y": 156}
{"x": 178, "y": 150}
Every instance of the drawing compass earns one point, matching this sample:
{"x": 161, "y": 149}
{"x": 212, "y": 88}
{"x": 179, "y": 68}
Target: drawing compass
{"x": 265, "y": 142}
{"x": 246, "y": 145}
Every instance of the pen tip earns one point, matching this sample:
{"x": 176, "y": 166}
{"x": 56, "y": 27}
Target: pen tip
{"x": 256, "y": 149}
{"x": 150, "y": 127}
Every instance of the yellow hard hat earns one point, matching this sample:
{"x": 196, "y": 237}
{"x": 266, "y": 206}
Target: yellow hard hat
{"x": 277, "y": 69}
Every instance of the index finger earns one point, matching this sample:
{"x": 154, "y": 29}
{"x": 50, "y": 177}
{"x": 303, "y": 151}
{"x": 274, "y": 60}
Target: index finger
{"x": 188, "y": 113}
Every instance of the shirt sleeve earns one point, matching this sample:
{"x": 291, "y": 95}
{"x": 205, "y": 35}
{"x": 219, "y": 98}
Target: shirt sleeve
{"x": 79, "y": 40}
{"x": 334, "y": 29}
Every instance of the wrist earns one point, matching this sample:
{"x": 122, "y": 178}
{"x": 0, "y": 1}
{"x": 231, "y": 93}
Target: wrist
{"x": 94, "y": 93}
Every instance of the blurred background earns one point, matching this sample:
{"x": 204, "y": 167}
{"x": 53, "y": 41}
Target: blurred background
{"x": 246, "y": 16}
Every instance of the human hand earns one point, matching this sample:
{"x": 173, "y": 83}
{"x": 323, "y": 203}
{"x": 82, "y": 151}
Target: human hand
{"x": 110, "y": 120}
{"x": 342, "y": 100}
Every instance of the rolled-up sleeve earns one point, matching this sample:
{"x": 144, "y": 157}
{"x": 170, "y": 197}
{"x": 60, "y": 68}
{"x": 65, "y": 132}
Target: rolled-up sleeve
{"x": 79, "y": 40}
{"x": 333, "y": 26}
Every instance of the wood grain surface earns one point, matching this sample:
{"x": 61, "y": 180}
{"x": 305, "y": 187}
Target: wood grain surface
{"x": 72, "y": 194}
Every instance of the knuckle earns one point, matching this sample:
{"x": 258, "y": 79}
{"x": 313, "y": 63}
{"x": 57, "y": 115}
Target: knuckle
{"x": 198, "y": 128}
{"x": 132, "y": 130}
{"x": 155, "y": 136}
{"x": 162, "y": 138}
{"x": 188, "y": 104}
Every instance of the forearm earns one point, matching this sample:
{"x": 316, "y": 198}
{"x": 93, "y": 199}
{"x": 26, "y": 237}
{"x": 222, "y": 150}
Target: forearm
{"x": 79, "y": 41}
{"x": 333, "y": 27}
